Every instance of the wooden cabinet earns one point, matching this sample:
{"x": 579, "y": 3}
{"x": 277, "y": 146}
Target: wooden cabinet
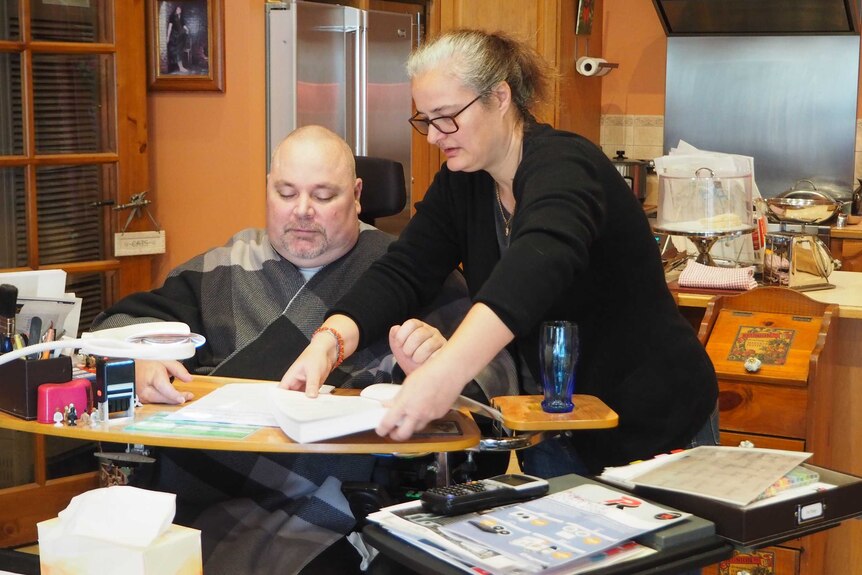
{"x": 848, "y": 251}
{"x": 785, "y": 404}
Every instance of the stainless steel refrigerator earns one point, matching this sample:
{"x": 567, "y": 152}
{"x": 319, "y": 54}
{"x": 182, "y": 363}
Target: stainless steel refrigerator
{"x": 342, "y": 68}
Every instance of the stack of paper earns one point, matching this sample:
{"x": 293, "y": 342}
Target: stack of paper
{"x": 571, "y": 531}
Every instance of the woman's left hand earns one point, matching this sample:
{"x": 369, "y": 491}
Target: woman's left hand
{"x": 432, "y": 388}
{"x": 413, "y": 343}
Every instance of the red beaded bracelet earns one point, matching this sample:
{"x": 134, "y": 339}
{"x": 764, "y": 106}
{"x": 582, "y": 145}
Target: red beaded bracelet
{"x": 339, "y": 342}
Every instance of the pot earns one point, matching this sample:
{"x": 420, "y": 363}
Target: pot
{"x": 803, "y": 206}
{"x": 634, "y": 172}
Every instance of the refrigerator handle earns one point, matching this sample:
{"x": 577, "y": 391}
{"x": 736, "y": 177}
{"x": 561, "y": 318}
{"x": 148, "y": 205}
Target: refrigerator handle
{"x": 361, "y": 85}
{"x": 356, "y": 75}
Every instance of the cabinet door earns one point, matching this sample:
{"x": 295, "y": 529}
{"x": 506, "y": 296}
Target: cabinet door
{"x": 763, "y": 408}
{"x": 536, "y": 20}
{"x": 848, "y": 252}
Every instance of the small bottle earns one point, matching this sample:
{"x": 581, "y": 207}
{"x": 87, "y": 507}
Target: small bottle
{"x": 842, "y": 220}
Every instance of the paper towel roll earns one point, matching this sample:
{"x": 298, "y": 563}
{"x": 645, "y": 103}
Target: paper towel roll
{"x": 592, "y": 66}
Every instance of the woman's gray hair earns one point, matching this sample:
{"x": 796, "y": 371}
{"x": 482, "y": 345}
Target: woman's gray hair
{"x": 481, "y": 60}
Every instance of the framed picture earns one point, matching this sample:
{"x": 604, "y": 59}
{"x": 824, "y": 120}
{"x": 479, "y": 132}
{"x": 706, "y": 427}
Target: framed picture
{"x": 185, "y": 44}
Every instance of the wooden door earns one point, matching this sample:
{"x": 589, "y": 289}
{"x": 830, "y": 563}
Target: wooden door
{"x": 73, "y": 142}
{"x": 73, "y": 139}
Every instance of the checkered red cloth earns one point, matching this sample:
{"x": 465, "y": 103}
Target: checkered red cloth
{"x": 697, "y": 275}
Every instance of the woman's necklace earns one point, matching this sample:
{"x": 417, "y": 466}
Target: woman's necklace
{"x": 506, "y": 221}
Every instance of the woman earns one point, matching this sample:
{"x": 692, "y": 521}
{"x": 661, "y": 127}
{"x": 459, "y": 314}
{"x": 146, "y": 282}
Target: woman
{"x": 177, "y": 32}
{"x": 546, "y": 229}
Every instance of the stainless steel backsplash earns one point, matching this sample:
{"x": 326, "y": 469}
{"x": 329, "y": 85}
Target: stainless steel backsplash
{"x": 788, "y": 101}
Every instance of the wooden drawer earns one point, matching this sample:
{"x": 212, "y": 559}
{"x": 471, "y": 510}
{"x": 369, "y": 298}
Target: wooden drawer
{"x": 849, "y": 251}
{"x": 732, "y": 439}
{"x": 762, "y": 408}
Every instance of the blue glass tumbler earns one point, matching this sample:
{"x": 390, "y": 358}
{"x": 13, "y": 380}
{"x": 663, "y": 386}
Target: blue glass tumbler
{"x": 558, "y": 356}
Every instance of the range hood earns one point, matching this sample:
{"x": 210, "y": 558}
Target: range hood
{"x": 757, "y": 17}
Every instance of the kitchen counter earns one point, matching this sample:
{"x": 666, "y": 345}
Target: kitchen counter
{"x": 852, "y": 231}
{"x": 847, "y": 294}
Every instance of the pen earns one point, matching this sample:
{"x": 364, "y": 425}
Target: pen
{"x": 49, "y": 336}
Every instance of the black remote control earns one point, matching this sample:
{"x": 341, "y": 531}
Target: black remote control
{"x": 483, "y": 494}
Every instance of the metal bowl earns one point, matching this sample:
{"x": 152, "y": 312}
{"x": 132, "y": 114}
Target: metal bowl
{"x": 803, "y": 207}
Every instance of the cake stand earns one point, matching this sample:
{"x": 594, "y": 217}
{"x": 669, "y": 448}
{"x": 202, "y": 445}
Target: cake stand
{"x": 704, "y": 240}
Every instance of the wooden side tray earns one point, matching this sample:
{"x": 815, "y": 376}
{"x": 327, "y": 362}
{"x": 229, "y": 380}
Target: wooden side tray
{"x": 524, "y": 413}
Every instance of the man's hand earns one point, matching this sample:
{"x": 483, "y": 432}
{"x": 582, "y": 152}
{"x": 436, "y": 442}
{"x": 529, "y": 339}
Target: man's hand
{"x": 153, "y": 384}
{"x": 311, "y": 368}
{"x": 413, "y": 343}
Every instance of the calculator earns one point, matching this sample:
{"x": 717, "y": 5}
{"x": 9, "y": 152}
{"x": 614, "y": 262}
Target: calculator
{"x": 483, "y": 493}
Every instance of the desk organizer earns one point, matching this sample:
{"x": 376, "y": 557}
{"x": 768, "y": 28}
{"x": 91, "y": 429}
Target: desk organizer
{"x": 21, "y": 378}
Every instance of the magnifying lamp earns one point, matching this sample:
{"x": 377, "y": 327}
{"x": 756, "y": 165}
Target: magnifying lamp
{"x": 160, "y": 340}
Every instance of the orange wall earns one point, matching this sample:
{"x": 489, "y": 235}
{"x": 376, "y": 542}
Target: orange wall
{"x": 208, "y": 149}
{"x": 634, "y": 38}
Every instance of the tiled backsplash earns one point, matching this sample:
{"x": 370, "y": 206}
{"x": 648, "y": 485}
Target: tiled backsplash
{"x": 641, "y": 137}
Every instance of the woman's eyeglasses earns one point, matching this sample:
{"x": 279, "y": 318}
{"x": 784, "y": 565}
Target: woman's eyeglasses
{"x": 443, "y": 124}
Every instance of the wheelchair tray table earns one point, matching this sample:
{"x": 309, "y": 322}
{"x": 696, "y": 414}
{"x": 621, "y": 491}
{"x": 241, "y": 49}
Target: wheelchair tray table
{"x": 524, "y": 413}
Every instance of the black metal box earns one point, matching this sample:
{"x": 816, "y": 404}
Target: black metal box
{"x": 759, "y": 525}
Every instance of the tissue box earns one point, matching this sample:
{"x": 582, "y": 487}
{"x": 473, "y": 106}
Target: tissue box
{"x": 176, "y": 551}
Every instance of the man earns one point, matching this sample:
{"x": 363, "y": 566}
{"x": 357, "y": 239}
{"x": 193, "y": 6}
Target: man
{"x": 258, "y": 300}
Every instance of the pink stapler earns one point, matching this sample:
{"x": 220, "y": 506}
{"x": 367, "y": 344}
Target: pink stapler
{"x": 54, "y": 396}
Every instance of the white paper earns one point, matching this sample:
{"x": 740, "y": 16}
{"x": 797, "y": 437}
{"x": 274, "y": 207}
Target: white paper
{"x": 234, "y": 403}
{"x": 120, "y": 514}
{"x": 736, "y": 475}
{"x": 37, "y": 283}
